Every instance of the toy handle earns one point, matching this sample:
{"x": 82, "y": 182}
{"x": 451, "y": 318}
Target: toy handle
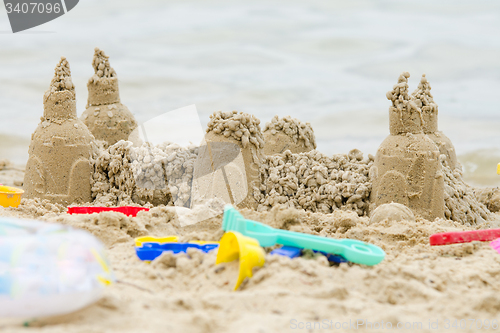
{"x": 352, "y": 250}
{"x": 362, "y": 253}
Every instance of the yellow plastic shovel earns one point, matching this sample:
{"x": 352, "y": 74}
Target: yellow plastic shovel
{"x": 234, "y": 245}
{"x": 152, "y": 239}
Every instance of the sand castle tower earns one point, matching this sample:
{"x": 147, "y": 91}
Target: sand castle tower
{"x": 58, "y": 167}
{"x": 407, "y": 168}
{"x": 424, "y": 100}
{"x": 107, "y": 118}
{"x": 227, "y": 167}
{"x": 288, "y": 133}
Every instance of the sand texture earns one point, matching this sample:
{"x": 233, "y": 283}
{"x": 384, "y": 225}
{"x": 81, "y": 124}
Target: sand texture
{"x": 107, "y": 118}
{"x": 316, "y": 182}
{"x": 288, "y": 133}
{"x": 59, "y": 167}
{"x": 490, "y": 197}
{"x": 414, "y": 283}
{"x": 155, "y": 175}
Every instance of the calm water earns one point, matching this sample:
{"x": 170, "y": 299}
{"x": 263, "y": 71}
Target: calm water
{"x": 326, "y": 62}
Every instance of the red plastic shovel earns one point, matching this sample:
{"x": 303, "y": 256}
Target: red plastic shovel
{"x": 127, "y": 210}
{"x": 455, "y": 237}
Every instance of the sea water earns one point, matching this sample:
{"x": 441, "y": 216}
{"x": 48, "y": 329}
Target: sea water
{"x": 327, "y": 62}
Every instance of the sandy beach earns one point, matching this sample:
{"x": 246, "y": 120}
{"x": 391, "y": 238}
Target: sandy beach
{"x": 415, "y": 283}
{"x": 304, "y": 117}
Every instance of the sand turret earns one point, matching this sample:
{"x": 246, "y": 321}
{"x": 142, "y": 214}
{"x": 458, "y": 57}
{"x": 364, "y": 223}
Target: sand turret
{"x": 58, "y": 167}
{"x": 106, "y": 117}
{"x": 287, "y": 133}
{"x": 407, "y": 169}
{"x": 424, "y": 100}
{"x": 404, "y": 115}
{"x": 227, "y": 167}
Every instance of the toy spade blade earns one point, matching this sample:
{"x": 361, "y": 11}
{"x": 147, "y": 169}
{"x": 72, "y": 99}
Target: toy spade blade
{"x": 352, "y": 250}
{"x": 234, "y": 245}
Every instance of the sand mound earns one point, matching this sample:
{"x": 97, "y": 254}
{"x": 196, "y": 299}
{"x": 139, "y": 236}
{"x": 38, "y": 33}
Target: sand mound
{"x": 294, "y": 128}
{"x": 461, "y": 204}
{"x": 316, "y": 182}
{"x": 393, "y": 212}
{"x": 167, "y": 167}
{"x": 288, "y": 133}
{"x": 159, "y": 175}
{"x": 490, "y": 197}
{"x": 241, "y": 126}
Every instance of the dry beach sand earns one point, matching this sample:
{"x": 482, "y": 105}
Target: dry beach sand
{"x": 414, "y": 283}
{"x": 302, "y": 190}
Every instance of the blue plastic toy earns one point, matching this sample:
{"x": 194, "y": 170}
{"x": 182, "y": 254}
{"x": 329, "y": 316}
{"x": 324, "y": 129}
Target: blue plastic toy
{"x": 288, "y": 251}
{"x": 334, "y": 258}
{"x": 150, "y": 251}
{"x": 294, "y": 252}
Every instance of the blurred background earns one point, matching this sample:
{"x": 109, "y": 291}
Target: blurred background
{"x": 326, "y": 62}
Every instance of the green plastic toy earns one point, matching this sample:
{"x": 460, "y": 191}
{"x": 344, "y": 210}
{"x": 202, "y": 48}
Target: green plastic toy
{"x": 352, "y": 250}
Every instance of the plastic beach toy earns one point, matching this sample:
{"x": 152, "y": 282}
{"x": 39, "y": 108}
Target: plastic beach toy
{"x": 288, "y": 251}
{"x": 352, "y": 250}
{"x": 495, "y": 245}
{"x": 49, "y": 269}
{"x": 10, "y": 196}
{"x": 127, "y": 210}
{"x": 150, "y": 247}
{"x": 233, "y": 245}
{"x": 294, "y": 252}
{"x": 159, "y": 240}
{"x": 150, "y": 251}
{"x": 455, "y": 237}
{"x": 167, "y": 239}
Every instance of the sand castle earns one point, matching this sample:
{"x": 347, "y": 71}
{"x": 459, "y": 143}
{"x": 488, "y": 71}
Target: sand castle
{"x": 288, "y": 133}
{"x": 227, "y": 167}
{"x": 407, "y": 169}
{"x": 237, "y": 165}
{"x": 58, "y": 167}
{"x": 106, "y": 117}
{"x": 424, "y": 100}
